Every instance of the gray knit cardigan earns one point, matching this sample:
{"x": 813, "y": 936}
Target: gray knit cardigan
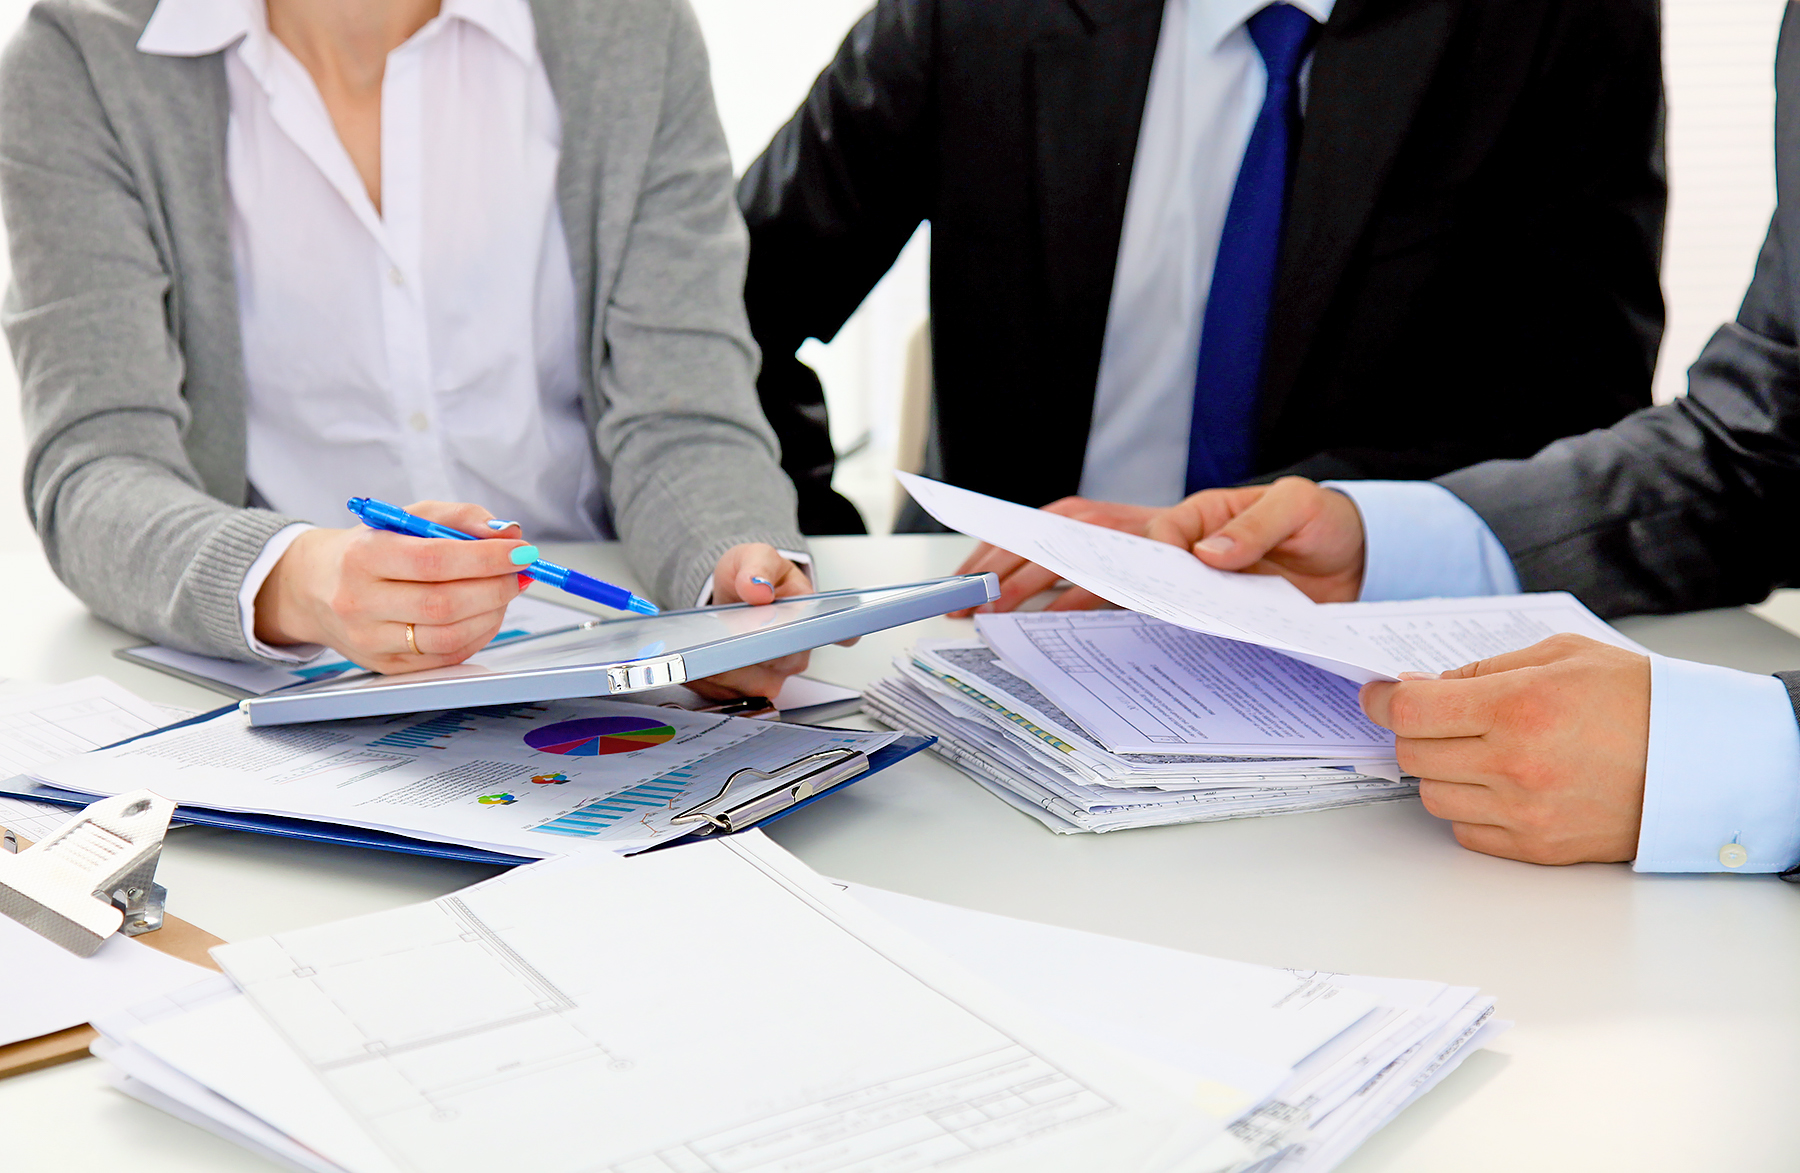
{"x": 122, "y": 312}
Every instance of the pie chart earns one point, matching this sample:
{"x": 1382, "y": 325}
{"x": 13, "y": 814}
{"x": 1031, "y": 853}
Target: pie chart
{"x": 589, "y": 737}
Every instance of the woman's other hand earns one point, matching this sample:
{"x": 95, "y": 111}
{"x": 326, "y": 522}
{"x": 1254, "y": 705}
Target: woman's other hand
{"x": 755, "y": 573}
{"x": 355, "y": 590}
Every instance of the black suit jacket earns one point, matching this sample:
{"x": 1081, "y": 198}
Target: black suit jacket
{"x": 1469, "y": 265}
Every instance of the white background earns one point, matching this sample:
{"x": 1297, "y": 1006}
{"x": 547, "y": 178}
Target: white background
{"x": 1719, "y": 56}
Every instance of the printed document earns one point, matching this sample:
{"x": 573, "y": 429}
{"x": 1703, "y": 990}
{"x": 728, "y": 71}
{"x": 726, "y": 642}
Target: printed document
{"x": 714, "y": 1007}
{"x": 1140, "y": 685}
{"x": 1439, "y": 634}
{"x": 39, "y": 725}
{"x": 536, "y": 779}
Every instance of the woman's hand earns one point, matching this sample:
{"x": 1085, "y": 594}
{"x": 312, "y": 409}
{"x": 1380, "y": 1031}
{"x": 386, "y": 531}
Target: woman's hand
{"x": 755, "y": 574}
{"x": 355, "y": 590}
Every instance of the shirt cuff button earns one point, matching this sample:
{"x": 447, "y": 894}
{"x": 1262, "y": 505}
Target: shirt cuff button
{"x": 1733, "y": 855}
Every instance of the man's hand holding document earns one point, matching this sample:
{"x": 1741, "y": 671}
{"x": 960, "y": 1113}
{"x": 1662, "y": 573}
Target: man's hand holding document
{"x": 1169, "y": 583}
{"x": 1225, "y": 694}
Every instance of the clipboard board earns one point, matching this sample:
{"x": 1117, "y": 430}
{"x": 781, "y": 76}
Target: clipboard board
{"x": 177, "y": 938}
{"x": 622, "y": 656}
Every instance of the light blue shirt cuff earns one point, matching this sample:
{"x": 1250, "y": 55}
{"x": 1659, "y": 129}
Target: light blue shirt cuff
{"x": 1724, "y": 768}
{"x": 1421, "y": 542}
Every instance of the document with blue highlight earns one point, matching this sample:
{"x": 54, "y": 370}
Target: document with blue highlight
{"x": 533, "y": 780}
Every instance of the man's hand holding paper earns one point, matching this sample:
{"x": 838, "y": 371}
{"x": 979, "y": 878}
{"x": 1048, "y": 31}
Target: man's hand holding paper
{"x": 1308, "y": 534}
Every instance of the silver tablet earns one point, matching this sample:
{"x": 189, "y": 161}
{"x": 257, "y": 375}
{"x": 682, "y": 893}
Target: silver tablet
{"x": 626, "y": 655}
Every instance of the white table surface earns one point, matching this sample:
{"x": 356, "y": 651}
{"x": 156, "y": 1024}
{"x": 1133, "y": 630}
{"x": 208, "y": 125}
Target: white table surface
{"x": 1658, "y": 1017}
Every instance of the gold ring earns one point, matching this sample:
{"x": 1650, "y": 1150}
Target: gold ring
{"x": 411, "y": 642}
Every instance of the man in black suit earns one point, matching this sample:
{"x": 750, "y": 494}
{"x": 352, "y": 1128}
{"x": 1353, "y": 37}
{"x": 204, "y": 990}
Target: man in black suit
{"x": 1460, "y": 206}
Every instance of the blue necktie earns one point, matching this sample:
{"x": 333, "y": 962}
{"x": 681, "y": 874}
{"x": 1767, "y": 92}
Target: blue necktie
{"x": 1222, "y": 441}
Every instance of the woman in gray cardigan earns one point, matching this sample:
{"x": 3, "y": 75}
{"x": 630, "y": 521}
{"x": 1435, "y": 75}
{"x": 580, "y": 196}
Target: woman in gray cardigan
{"x": 267, "y": 258}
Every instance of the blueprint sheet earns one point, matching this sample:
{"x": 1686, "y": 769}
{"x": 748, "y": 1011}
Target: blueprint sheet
{"x": 711, "y": 1009}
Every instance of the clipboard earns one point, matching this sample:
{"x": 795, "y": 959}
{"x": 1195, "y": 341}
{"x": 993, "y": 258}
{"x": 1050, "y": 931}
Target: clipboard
{"x": 741, "y": 805}
{"x": 623, "y": 656}
{"x": 176, "y": 937}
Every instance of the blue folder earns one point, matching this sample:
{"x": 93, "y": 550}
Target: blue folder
{"x": 322, "y": 832}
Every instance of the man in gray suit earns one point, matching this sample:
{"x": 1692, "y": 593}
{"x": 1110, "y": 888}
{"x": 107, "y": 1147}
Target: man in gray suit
{"x": 1571, "y": 750}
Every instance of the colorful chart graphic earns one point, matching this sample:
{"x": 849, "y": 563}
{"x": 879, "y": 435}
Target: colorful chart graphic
{"x": 496, "y": 799}
{"x": 589, "y": 737}
{"x": 556, "y": 779}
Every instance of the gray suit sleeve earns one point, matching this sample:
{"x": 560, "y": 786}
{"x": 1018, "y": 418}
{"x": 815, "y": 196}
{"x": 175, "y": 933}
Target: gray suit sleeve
{"x": 694, "y": 463}
{"x": 112, "y": 492}
{"x": 1682, "y": 506}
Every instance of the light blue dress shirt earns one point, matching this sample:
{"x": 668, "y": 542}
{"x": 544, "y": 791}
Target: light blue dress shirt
{"x": 1723, "y": 779}
{"x": 1207, "y": 83}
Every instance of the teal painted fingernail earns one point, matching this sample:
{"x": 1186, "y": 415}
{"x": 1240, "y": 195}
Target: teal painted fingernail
{"x": 496, "y": 524}
{"x": 762, "y": 582}
{"x": 524, "y": 556}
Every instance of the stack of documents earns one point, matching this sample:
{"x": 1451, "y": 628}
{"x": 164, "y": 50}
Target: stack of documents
{"x": 720, "y": 1007}
{"x": 1211, "y": 696}
{"x": 1014, "y": 739}
{"x": 1320, "y": 1061}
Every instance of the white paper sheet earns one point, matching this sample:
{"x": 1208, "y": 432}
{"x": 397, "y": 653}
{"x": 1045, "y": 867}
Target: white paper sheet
{"x": 46, "y": 988}
{"x": 273, "y": 1071}
{"x": 41, "y": 723}
{"x": 46, "y": 724}
{"x": 762, "y": 1022}
{"x": 227, "y": 1044}
{"x": 1239, "y": 1027}
{"x": 1433, "y": 635}
{"x": 32, "y": 820}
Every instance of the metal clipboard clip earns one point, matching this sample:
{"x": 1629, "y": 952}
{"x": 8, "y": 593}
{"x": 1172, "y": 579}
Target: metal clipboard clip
{"x": 92, "y": 876}
{"x": 811, "y": 775}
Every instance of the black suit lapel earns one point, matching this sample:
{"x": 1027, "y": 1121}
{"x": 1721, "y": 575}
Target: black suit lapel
{"x": 1088, "y": 90}
{"x": 1371, "y": 68}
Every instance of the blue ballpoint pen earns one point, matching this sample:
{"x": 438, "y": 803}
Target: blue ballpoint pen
{"x": 380, "y": 515}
